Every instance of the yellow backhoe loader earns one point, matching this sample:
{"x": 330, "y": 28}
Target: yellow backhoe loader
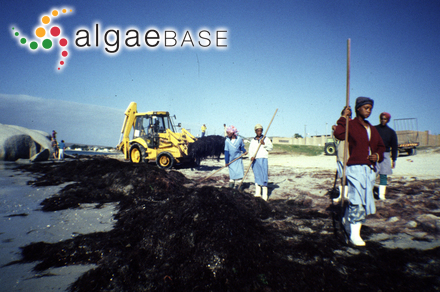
{"x": 154, "y": 138}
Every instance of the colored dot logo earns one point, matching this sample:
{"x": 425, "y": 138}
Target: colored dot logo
{"x": 55, "y": 31}
{"x": 40, "y": 32}
{"x": 47, "y": 35}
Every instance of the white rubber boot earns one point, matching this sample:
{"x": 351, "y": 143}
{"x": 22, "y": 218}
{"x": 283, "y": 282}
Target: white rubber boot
{"x": 238, "y": 184}
{"x": 257, "y": 191}
{"x": 338, "y": 199}
{"x": 231, "y": 183}
{"x": 382, "y": 192}
{"x": 264, "y": 193}
{"x": 355, "y": 234}
{"x": 346, "y": 192}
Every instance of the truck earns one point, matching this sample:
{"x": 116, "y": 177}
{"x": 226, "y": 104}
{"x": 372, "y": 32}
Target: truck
{"x": 407, "y": 135}
{"x": 154, "y": 138}
{"x": 330, "y": 146}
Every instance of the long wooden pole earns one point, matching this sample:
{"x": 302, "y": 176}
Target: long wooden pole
{"x": 258, "y": 148}
{"x": 220, "y": 168}
{"x": 347, "y": 104}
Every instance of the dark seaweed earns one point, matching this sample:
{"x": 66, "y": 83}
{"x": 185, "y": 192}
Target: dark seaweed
{"x": 174, "y": 238}
{"x": 208, "y": 146}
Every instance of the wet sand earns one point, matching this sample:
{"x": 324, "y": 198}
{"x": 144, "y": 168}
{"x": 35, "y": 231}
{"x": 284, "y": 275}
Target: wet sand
{"x": 23, "y": 222}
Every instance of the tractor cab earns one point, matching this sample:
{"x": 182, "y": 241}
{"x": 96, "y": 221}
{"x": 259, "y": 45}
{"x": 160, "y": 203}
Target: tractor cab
{"x": 149, "y": 125}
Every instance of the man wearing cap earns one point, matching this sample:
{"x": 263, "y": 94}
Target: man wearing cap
{"x": 366, "y": 148}
{"x": 389, "y": 138}
{"x": 259, "y": 160}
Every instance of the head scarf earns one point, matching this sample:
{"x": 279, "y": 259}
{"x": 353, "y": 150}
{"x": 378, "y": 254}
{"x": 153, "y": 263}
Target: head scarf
{"x": 361, "y": 100}
{"x": 232, "y": 129}
{"x": 387, "y": 115}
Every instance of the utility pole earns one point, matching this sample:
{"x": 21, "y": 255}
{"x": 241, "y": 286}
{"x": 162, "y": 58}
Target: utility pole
{"x": 305, "y": 135}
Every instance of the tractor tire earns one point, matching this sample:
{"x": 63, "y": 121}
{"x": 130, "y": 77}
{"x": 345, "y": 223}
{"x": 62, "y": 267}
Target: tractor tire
{"x": 411, "y": 151}
{"x": 165, "y": 160}
{"x": 136, "y": 151}
{"x": 330, "y": 148}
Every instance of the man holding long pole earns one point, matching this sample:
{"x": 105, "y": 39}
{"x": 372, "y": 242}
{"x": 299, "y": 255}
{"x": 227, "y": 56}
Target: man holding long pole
{"x": 259, "y": 145}
{"x": 259, "y": 156}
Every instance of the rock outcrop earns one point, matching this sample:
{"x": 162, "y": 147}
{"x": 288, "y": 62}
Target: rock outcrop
{"x": 18, "y": 142}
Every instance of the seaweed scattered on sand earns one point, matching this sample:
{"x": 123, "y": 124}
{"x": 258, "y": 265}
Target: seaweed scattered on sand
{"x": 168, "y": 237}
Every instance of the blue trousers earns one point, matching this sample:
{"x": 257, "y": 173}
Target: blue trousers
{"x": 260, "y": 168}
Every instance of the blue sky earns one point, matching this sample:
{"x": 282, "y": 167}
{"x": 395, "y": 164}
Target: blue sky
{"x": 289, "y": 55}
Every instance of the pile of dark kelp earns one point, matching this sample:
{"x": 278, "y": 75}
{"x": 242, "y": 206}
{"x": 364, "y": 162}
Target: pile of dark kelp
{"x": 208, "y": 146}
{"x": 174, "y": 238}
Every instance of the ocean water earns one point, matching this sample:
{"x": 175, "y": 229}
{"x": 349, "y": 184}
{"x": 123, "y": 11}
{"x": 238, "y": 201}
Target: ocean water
{"x": 74, "y": 152}
{"x": 23, "y": 222}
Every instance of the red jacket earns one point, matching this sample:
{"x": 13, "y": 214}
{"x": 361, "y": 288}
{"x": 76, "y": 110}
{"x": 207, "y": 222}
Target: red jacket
{"x": 358, "y": 141}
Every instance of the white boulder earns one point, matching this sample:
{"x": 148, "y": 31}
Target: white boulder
{"x": 18, "y": 142}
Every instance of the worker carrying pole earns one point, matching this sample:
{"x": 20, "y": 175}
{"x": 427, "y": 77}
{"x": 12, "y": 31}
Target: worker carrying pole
{"x": 260, "y": 142}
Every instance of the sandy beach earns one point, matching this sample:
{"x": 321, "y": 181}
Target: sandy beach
{"x": 293, "y": 172}
{"x": 310, "y": 177}
{"x": 292, "y": 178}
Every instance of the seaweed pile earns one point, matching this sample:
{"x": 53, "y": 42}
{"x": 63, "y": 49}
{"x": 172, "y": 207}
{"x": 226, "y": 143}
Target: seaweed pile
{"x": 173, "y": 238}
{"x": 208, "y": 146}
